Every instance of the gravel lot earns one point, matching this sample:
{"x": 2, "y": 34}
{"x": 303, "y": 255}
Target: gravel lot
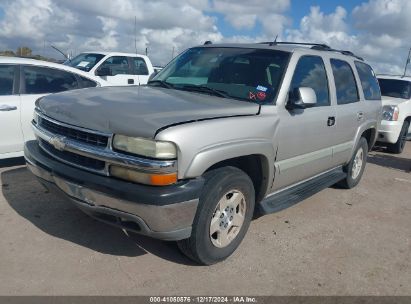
{"x": 338, "y": 242}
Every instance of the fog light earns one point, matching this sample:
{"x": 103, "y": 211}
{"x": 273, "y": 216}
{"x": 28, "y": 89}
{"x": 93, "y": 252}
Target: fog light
{"x": 143, "y": 178}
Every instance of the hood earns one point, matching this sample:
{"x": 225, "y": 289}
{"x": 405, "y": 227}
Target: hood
{"x": 138, "y": 111}
{"x": 388, "y": 100}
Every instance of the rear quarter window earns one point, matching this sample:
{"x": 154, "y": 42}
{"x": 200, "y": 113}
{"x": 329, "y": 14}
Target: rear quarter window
{"x": 368, "y": 80}
{"x": 87, "y": 83}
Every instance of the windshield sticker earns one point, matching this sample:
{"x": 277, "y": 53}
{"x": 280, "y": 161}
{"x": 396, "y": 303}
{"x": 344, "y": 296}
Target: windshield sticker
{"x": 261, "y": 95}
{"x": 261, "y": 88}
{"x": 251, "y": 96}
{"x": 83, "y": 64}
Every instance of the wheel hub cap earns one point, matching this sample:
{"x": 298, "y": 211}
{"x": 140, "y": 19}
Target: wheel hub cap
{"x": 357, "y": 164}
{"x": 227, "y": 219}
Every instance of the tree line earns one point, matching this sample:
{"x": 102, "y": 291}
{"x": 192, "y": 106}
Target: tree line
{"x": 26, "y": 52}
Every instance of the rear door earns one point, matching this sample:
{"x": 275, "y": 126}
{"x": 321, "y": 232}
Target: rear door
{"x": 139, "y": 68}
{"x": 38, "y": 81}
{"x": 11, "y": 137}
{"x": 349, "y": 109}
{"x": 305, "y": 135}
{"x": 121, "y": 72}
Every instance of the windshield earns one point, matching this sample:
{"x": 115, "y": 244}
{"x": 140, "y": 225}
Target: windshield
{"x": 395, "y": 88}
{"x": 241, "y": 73}
{"x": 84, "y": 61}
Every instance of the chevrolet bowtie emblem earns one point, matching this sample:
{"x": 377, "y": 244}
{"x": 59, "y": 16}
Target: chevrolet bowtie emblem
{"x": 58, "y": 143}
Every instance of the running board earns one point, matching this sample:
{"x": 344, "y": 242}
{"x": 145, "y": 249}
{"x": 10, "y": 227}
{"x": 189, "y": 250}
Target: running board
{"x": 291, "y": 196}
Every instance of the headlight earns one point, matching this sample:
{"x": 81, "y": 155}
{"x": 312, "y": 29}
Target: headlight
{"x": 390, "y": 113}
{"x": 145, "y": 147}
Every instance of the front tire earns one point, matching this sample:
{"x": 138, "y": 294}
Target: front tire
{"x": 223, "y": 216}
{"x": 398, "y": 147}
{"x": 355, "y": 168}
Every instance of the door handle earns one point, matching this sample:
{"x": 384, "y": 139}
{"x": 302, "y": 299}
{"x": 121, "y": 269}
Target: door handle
{"x": 6, "y": 108}
{"x": 130, "y": 81}
{"x": 331, "y": 121}
{"x": 360, "y": 115}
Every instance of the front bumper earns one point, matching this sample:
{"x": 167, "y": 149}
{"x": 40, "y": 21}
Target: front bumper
{"x": 389, "y": 131}
{"x": 161, "y": 212}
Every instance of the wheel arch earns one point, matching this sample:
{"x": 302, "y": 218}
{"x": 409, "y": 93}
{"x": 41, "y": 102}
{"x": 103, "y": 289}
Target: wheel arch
{"x": 255, "y": 159}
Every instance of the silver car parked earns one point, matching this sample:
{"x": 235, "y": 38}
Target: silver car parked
{"x": 222, "y": 133}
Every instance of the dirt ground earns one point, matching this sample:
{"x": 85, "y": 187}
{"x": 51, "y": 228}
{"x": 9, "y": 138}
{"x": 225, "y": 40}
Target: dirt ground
{"x": 338, "y": 242}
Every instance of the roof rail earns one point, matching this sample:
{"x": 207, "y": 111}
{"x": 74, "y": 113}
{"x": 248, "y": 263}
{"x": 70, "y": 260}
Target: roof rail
{"x": 315, "y": 46}
{"x": 295, "y": 43}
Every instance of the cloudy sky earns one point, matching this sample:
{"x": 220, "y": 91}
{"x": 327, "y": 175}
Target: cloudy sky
{"x": 379, "y": 30}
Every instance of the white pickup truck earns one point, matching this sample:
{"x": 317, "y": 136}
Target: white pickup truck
{"x": 118, "y": 69}
{"x": 395, "y": 127}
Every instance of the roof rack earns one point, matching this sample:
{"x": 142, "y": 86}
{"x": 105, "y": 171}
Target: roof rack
{"x": 315, "y": 46}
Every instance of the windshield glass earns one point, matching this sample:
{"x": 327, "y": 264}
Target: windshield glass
{"x": 395, "y": 88}
{"x": 85, "y": 61}
{"x": 241, "y": 73}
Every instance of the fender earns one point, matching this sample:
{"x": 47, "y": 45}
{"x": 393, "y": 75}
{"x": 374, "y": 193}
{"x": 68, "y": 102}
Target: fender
{"x": 370, "y": 124}
{"x": 212, "y": 155}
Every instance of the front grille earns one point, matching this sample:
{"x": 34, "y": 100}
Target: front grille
{"x": 81, "y": 136}
{"x": 73, "y": 158}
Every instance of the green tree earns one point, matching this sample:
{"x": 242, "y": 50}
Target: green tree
{"x": 7, "y": 53}
{"x": 24, "y": 51}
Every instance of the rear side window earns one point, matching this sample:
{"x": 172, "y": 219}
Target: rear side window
{"x": 117, "y": 65}
{"x": 140, "y": 66}
{"x": 345, "y": 84}
{"x": 87, "y": 83}
{"x": 310, "y": 72}
{"x": 368, "y": 80}
{"x": 40, "y": 80}
{"x": 6, "y": 79}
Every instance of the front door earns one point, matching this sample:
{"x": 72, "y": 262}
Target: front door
{"x": 306, "y": 136}
{"x": 120, "y": 71}
{"x": 11, "y": 137}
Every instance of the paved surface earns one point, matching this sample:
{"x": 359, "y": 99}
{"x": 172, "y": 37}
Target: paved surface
{"x": 355, "y": 242}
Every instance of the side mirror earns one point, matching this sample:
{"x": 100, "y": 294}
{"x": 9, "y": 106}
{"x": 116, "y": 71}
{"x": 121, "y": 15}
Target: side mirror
{"x": 301, "y": 98}
{"x": 104, "y": 71}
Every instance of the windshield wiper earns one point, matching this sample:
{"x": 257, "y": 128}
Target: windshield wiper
{"x": 162, "y": 83}
{"x": 204, "y": 89}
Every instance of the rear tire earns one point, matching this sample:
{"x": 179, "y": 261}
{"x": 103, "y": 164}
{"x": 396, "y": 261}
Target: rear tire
{"x": 355, "y": 168}
{"x": 398, "y": 147}
{"x": 223, "y": 216}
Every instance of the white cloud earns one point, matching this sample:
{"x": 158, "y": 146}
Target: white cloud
{"x": 383, "y": 49}
{"x": 376, "y": 29}
{"x": 244, "y": 14}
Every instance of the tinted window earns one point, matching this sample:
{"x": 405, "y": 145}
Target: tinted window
{"x": 310, "y": 72}
{"x": 345, "y": 85}
{"x": 395, "y": 88}
{"x": 6, "y": 79}
{"x": 40, "y": 80}
{"x": 368, "y": 80}
{"x": 117, "y": 65}
{"x": 87, "y": 83}
{"x": 139, "y": 65}
{"x": 85, "y": 61}
{"x": 242, "y": 73}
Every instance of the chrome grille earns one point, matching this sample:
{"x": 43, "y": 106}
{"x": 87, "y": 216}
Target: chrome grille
{"x": 72, "y": 133}
{"x": 72, "y": 158}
